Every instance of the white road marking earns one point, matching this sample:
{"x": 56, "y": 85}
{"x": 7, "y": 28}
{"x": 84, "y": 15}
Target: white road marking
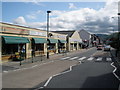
{"x": 99, "y": 59}
{"x": 48, "y": 81}
{"x": 81, "y": 58}
{"x": 73, "y": 58}
{"x": 114, "y": 71}
{"x": 39, "y": 88}
{"x": 90, "y": 59}
{"x": 57, "y": 75}
{"x": 5, "y": 71}
{"x": 108, "y": 59}
{"x": 65, "y": 58}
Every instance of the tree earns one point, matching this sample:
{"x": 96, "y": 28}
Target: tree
{"x": 114, "y": 40}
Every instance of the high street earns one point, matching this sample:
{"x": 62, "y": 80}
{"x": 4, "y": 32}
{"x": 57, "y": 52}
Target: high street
{"x": 87, "y": 69}
{"x": 57, "y": 45}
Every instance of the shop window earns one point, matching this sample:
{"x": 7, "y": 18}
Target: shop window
{"x": 75, "y": 46}
{"x": 11, "y": 48}
{"x": 39, "y": 47}
{"x": 61, "y": 46}
{"x": 71, "y": 46}
{"x": 51, "y": 46}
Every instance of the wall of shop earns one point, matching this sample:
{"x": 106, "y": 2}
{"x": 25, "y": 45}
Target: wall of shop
{"x": 58, "y": 37}
{"x": 74, "y": 41}
{"x": 21, "y": 31}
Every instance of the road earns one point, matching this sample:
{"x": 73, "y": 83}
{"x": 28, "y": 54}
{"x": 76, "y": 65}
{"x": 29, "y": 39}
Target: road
{"x": 94, "y": 71}
{"x": 91, "y": 69}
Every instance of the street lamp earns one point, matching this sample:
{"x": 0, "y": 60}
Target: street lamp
{"x": 113, "y": 28}
{"x": 48, "y": 12}
{"x": 118, "y": 31}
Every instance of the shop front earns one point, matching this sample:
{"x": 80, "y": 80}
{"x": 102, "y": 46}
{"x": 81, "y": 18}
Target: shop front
{"x": 71, "y": 46}
{"x": 14, "y": 48}
{"x": 61, "y": 46}
{"x": 38, "y": 46}
{"x": 52, "y": 46}
{"x": 75, "y": 46}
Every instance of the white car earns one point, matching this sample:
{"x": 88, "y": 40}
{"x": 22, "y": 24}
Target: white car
{"x": 107, "y": 48}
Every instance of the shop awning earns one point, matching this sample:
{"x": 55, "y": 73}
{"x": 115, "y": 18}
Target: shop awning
{"x": 40, "y": 40}
{"x": 62, "y": 41}
{"x": 53, "y": 40}
{"x": 15, "y": 40}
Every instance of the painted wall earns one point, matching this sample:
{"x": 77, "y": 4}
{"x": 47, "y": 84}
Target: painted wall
{"x": 75, "y": 38}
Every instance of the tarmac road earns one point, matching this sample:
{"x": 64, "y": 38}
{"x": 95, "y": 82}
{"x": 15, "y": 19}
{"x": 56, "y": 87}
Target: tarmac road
{"x": 95, "y": 72}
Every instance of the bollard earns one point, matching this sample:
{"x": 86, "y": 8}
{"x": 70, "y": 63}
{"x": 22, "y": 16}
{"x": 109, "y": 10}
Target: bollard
{"x": 41, "y": 56}
{"x": 20, "y": 59}
{"x": 32, "y": 54}
{"x": 62, "y": 52}
{"x": 47, "y": 55}
{"x": 32, "y": 59}
{"x": 20, "y": 63}
{"x": 65, "y": 52}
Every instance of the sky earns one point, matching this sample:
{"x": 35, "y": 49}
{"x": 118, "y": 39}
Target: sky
{"x": 95, "y": 17}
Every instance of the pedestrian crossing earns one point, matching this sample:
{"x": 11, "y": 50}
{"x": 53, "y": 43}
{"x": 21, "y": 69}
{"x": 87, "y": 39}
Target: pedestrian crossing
{"x": 91, "y": 58}
{"x": 65, "y": 58}
{"x": 108, "y": 59}
{"x": 81, "y": 58}
{"x": 73, "y": 58}
{"x": 97, "y": 59}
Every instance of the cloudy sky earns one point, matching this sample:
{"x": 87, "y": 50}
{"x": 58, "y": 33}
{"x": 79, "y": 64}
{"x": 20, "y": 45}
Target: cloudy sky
{"x": 95, "y": 17}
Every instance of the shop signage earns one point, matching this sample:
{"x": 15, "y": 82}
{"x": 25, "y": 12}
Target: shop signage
{"x": 38, "y": 33}
{"x": 75, "y": 40}
{"x": 59, "y": 36}
{"x": 15, "y": 30}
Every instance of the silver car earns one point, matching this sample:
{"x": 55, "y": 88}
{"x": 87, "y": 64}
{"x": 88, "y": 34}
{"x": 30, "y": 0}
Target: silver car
{"x": 107, "y": 48}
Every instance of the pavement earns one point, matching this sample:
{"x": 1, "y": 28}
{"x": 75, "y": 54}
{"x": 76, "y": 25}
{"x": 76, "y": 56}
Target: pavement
{"x": 12, "y": 65}
{"x": 29, "y": 77}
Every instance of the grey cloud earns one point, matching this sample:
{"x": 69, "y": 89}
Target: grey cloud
{"x": 89, "y": 19}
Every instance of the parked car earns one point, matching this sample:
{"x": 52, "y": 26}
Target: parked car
{"x": 99, "y": 47}
{"x": 107, "y": 48}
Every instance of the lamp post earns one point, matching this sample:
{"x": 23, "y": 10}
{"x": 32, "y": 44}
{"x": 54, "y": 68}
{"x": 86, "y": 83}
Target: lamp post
{"x": 118, "y": 32}
{"x": 48, "y": 12}
{"x": 113, "y": 28}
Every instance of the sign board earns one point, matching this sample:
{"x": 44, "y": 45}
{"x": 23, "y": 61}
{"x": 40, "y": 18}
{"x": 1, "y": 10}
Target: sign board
{"x": 14, "y": 30}
{"x": 38, "y": 33}
{"x": 75, "y": 40}
{"x": 58, "y": 36}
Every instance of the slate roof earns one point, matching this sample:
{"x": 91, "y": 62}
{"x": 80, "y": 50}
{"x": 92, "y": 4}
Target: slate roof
{"x": 69, "y": 33}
